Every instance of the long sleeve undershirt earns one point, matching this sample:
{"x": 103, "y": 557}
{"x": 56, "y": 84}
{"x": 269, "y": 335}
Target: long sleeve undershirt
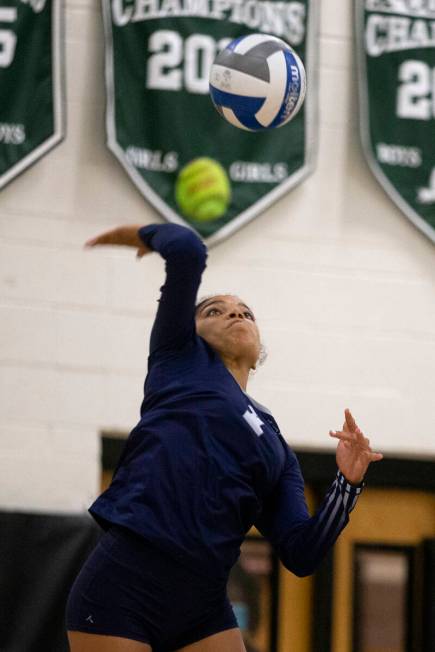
{"x": 196, "y": 473}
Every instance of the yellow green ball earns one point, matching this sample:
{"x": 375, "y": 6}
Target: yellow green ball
{"x": 202, "y": 190}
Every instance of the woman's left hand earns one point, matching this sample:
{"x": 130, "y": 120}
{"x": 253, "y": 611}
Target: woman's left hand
{"x": 353, "y": 451}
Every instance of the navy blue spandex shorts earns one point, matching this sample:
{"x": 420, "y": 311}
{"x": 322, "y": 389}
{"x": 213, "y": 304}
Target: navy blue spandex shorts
{"x": 129, "y": 588}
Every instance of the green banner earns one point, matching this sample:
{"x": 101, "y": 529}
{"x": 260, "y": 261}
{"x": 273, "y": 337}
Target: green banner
{"x": 396, "y": 54}
{"x": 160, "y": 116}
{"x": 31, "y": 90}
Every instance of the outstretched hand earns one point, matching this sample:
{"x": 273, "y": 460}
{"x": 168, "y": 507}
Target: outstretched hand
{"x": 353, "y": 451}
{"x": 122, "y": 235}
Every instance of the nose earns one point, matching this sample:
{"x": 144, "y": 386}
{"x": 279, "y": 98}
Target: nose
{"x": 236, "y": 314}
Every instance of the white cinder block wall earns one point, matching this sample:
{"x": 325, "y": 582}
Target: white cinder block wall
{"x": 342, "y": 284}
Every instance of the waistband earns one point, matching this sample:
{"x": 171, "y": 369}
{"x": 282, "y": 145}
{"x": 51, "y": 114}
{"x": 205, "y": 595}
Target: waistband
{"x": 172, "y": 560}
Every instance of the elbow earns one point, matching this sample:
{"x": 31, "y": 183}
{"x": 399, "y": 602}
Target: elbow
{"x": 300, "y": 570}
{"x": 299, "y": 565}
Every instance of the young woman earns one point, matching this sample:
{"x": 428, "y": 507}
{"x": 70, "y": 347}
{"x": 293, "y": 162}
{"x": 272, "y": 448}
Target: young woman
{"x": 205, "y": 463}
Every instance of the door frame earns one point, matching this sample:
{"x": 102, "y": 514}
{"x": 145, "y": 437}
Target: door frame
{"x": 318, "y": 468}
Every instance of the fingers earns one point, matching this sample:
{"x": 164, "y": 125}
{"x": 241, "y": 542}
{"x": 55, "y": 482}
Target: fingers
{"x": 104, "y": 238}
{"x": 122, "y": 235}
{"x": 107, "y": 239}
{"x": 339, "y": 434}
{"x": 142, "y": 251}
{"x": 356, "y": 437}
{"x": 360, "y": 437}
{"x": 359, "y": 440}
{"x": 349, "y": 420}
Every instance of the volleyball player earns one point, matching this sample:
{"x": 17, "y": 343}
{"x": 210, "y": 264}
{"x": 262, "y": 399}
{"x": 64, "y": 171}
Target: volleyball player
{"x": 203, "y": 465}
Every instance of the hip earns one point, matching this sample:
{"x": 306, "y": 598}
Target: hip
{"x": 128, "y": 587}
{"x": 126, "y": 553}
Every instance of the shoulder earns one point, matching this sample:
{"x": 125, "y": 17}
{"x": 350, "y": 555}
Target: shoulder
{"x": 195, "y": 350}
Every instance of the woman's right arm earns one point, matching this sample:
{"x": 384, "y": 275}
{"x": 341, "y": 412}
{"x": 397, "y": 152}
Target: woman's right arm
{"x": 185, "y": 255}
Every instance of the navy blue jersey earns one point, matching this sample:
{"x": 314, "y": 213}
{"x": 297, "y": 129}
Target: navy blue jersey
{"x": 206, "y": 461}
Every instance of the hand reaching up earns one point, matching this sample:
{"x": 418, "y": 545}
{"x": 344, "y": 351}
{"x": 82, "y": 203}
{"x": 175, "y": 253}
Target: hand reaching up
{"x": 122, "y": 235}
{"x": 353, "y": 451}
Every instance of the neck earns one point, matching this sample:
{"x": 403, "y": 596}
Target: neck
{"x": 239, "y": 369}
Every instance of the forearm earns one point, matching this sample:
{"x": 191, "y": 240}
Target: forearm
{"x": 302, "y": 550}
{"x": 185, "y": 256}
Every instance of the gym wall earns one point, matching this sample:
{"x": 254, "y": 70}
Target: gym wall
{"x": 342, "y": 285}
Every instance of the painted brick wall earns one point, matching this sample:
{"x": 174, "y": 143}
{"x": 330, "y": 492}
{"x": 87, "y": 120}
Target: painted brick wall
{"x": 342, "y": 284}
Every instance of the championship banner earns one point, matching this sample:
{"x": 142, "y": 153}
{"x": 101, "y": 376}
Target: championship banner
{"x": 160, "y": 116}
{"x": 31, "y": 110}
{"x": 396, "y": 57}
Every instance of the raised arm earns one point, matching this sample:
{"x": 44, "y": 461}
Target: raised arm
{"x": 185, "y": 256}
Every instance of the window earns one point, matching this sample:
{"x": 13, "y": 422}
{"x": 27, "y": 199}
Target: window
{"x": 383, "y": 581}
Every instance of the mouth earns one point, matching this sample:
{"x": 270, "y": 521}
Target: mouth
{"x": 236, "y": 321}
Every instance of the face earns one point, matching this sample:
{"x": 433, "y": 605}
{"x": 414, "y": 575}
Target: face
{"x": 229, "y": 326}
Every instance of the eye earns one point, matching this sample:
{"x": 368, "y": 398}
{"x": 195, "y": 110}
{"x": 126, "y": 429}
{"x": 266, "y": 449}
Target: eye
{"x": 217, "y": 311}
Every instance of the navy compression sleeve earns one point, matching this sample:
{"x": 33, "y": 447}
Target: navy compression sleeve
{"x": 185, "y": 255}
{"x": 301, "y": 541}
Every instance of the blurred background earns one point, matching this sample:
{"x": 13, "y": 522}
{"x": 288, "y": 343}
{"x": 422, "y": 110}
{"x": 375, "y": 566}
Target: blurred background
{"x": 343, "y": 288}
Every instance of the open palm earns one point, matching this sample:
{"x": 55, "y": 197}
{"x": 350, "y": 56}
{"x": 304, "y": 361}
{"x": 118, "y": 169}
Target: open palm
{"x": 353, "y": 451}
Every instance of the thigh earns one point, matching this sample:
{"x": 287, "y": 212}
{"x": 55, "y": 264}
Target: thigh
{"x": 84, "y": 642}
{"x": 228, "y": 641}
{"x": 131, "y": 590}
{"x": 101, "y": 606}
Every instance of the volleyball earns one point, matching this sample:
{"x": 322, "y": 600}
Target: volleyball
{"x": 258, "y": 82}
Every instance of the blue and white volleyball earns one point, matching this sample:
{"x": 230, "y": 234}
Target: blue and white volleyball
{"x": 258, "y": 82}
